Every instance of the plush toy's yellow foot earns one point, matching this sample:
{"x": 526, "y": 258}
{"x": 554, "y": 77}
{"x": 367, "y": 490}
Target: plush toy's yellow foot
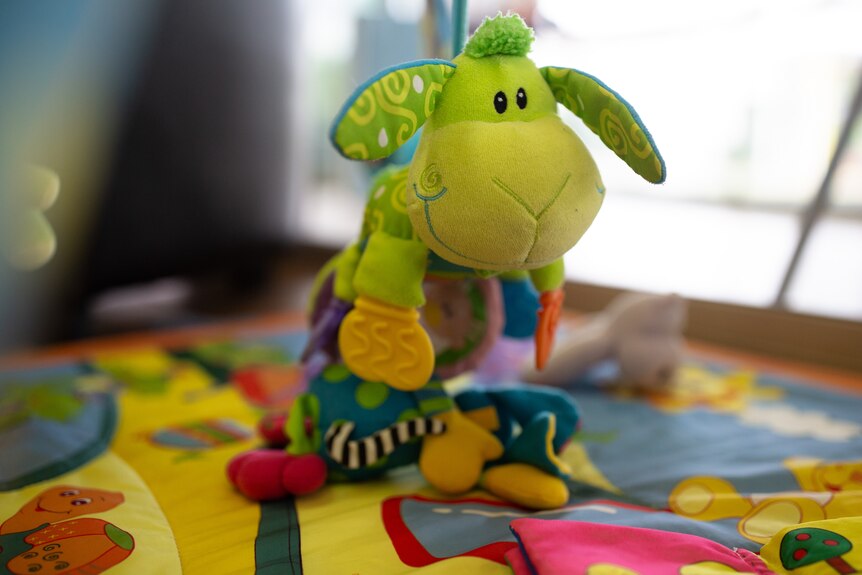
{"x": 382, "y": 342}
{"x": 453, "y": 462}
{"x": 526, "y": 485}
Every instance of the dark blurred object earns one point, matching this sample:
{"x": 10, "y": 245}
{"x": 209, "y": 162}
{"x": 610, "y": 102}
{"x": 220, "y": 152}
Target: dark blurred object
{"x": 168, "y": 124}
{"x": 198, "y": 177}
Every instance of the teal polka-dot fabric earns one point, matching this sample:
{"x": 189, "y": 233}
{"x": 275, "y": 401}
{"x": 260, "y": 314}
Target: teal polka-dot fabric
{"x": 371, "y": 394}
{"x": 372, "y": 406}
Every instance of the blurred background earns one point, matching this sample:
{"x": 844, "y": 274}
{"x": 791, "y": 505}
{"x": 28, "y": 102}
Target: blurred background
{"x": 197, "y": 182}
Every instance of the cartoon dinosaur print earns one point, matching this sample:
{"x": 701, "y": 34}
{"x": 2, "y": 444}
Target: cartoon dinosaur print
{"x": 60, "y": 503}
{"x": 48, "y": 534}
{"x": 77, "y": 546}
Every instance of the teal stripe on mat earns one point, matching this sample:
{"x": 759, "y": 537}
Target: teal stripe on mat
{"x": 277, "y": 548}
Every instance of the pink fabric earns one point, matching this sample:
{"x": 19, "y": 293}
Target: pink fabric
{"x": 549, "y": 547}
{"x": 517, "y": 561}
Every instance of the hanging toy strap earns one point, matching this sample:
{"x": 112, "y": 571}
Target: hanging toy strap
{"x": 459, "y": 26}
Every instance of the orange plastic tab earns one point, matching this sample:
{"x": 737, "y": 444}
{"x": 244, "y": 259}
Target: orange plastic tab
{"x": 546, "y": 330}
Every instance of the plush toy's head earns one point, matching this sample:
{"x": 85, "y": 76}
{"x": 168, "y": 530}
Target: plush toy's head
{"x": 498, "y": 181}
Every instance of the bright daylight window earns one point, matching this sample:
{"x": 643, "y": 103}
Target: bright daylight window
{"x": 745, "y": 99}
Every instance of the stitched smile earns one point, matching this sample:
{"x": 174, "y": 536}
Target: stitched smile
{"x": 436, "y": 196}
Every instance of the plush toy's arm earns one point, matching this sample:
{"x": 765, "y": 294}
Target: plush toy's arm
{"x": 345, "y": 271}
{"x": 391, "y": 270}
{"x": 548, "y": 281}
{"x": 453, "y": 461}
{"x": 381, "y": 338}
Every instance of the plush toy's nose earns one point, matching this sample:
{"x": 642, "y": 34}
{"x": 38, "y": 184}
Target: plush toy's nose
{"x": 539, "y": 199}
{"x": 504, "y": 195}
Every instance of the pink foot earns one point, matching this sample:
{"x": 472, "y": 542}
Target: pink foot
{"x": 268, "y": 474}
{"x": 257, "y": 474}
{"x": 304, "y": 474}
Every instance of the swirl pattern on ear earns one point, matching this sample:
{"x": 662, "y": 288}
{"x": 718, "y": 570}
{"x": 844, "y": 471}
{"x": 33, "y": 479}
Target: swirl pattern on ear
{"x": 386, "y": 111}
{"x": 613, "y": 133}
{"x": 610, "y": 117}
{"x": 364, "y": 109}
{"x": 431, "y": 95}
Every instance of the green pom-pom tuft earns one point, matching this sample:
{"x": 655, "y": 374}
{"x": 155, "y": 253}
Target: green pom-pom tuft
{"x": 505, "y": 35}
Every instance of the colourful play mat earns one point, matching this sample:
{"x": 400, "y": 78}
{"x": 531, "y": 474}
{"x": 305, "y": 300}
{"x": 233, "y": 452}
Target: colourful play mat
{"x": 115, "y": 462}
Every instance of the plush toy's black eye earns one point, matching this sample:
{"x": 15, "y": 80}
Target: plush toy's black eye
{"x": 521, "y": 98}
{"x": 500, "y": 102}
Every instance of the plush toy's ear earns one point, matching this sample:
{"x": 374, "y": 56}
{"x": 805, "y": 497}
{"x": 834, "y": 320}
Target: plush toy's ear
{"x": 608, "y": 115}
{"x": 388, "y": 109}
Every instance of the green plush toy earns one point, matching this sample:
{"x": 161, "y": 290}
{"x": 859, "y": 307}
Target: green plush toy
{"x": 498, "y": 185}
{"x": 498, "y": 190}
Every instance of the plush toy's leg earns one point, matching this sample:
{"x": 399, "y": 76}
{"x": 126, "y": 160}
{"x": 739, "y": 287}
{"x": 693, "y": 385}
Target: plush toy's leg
{"x": 526, "y": 485}
{"x": 500, "y": 408}
{"x": 521, "y": 304}
{"x": 524, "y": 402}
{"x": 267, "y": 474}
{"x": 530, "y": 472}
{"x": 535, "y": 446}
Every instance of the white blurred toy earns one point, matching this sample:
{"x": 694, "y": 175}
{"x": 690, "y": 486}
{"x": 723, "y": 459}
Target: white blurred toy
{"x": 642, "y": 332}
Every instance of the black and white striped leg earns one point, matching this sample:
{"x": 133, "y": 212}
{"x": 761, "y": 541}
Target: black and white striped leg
{"x": 359, "y": 453}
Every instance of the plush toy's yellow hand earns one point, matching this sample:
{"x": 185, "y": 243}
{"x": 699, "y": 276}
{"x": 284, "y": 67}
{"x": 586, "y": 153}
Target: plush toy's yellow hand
{"x": 382, "y": 342}
{"x": 453, "y": 462}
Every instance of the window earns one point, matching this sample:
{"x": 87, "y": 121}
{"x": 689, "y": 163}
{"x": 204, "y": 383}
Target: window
{"x": 745, "y": 99}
